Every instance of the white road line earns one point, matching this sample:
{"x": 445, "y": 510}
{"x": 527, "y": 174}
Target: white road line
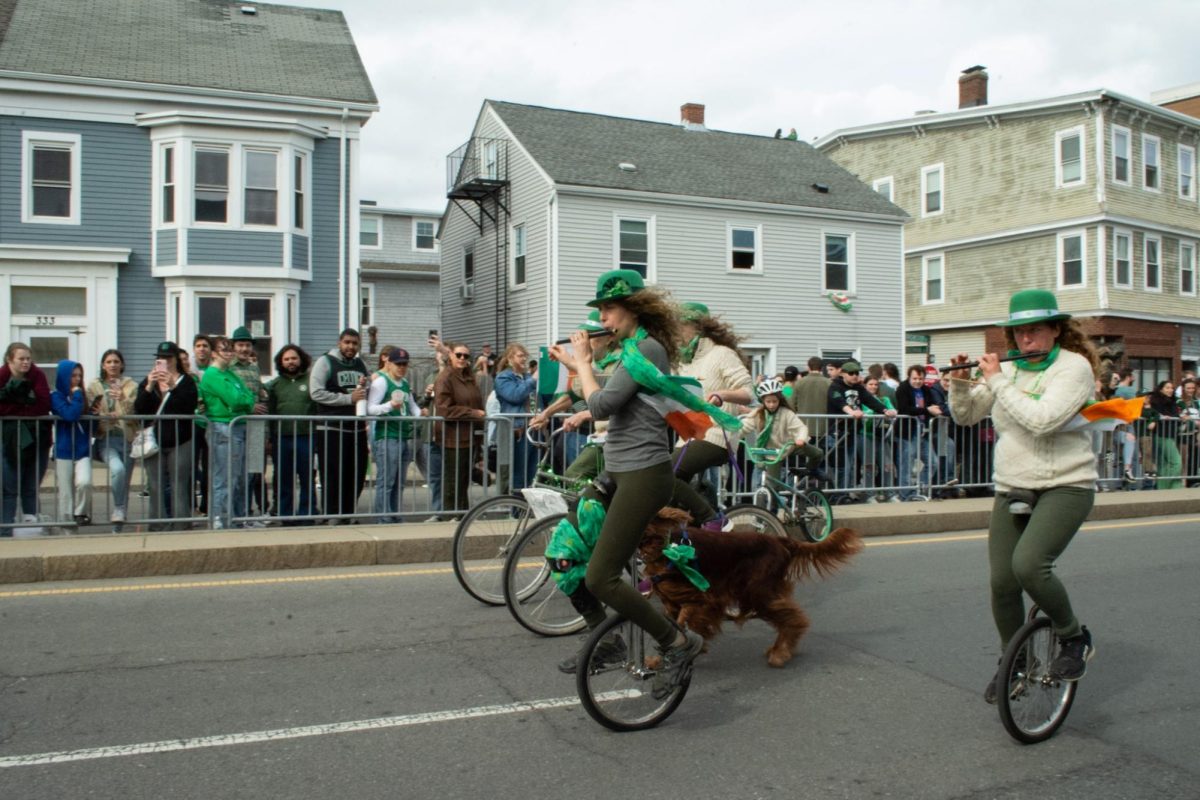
{"x": 255, "y": 737}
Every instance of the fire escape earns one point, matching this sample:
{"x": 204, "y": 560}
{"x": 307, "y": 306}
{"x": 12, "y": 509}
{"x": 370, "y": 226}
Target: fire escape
{"x": 477, "y": 182}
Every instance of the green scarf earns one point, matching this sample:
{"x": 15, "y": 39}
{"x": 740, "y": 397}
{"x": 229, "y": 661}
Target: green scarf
{"x": 764, "y": 436}
{"x": 652, "y": 378}
{"x": 688, "y": 351}
{"x": 608, "y": 358}
{"x": 1033, "y": 366}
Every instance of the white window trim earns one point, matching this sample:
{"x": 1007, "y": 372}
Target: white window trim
{"x": 1083, "y": 271}
{"x": 1146, "y": 137}
{"x": 369, "y": 288}
{"x": 29, "y": 139}
{"x": 729, "y": 248}
{"x": 925, "y": 301}
{"x": 925, "y": 172}
{"x": 160, "y": 184}
{"x": 891, "y": 184}
{"x": 1180, "y": 150}
{"x": 1192, "y": 245}
{"x": 1128, "y": 154}
{"x": 1058, "y": 163}
{"x": 512, "y": 261}
{"x": 1146, "y": 264}
{"x": 651, "y": 242}
{"x": 433, "y": 249}
{"x": 378, "y": 232}
{"x": 280, "y": 181}
{"x": 278, "y": 291}
{"x": 233, "y": 187}
{"x": 305, "y": 189}
{"x": 851, "y": 269}
{"x": 467, "y": 286}
{"x": 1129, "y": 236}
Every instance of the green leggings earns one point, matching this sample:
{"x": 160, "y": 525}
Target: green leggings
{"x": 638, "y": 497}
{"x": 1022, "y": 550}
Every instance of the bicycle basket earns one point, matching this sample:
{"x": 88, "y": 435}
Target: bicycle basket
{"x": 545, "y": 502}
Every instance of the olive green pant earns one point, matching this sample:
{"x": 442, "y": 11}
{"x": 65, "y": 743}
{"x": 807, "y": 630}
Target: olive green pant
{"x": 1022, "y": 550}
{"x": 638, "y": 496}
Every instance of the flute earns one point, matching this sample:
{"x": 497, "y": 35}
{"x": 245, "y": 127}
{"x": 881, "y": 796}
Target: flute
{"x": 590, "y": 335}
{"x": 970, "y": 364}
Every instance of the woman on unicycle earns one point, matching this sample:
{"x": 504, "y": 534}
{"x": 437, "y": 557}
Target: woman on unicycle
{"x": 1045, "y": 476}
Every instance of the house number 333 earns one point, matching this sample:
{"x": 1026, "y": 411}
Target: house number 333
{"x": 44, "y": 321}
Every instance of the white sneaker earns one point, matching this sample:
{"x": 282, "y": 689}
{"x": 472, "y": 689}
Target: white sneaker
{"x": 118, "y": 515}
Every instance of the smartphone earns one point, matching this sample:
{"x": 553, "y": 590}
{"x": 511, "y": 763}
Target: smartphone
{"x": 160, "y": 364}
{"x": 432, "y": 332}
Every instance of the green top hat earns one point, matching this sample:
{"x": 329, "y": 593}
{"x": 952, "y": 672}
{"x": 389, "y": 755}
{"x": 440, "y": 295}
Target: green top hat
{"x": 592, "y": 323}
{"x": 617, "y": 284}
{"x": 1032, "y": 305}
{"x": 694, "y": 311}
{"x": 241, "y": 334}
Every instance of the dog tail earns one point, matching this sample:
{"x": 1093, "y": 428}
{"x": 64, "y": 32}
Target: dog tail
{"x": 823, "y": 557}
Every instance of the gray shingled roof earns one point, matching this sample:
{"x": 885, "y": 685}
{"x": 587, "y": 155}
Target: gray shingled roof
{"x": 581, "y": 149}
{"x": 281, "y": 50}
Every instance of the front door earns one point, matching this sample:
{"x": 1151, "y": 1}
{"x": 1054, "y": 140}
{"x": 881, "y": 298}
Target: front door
{"x": 51, "y": 344}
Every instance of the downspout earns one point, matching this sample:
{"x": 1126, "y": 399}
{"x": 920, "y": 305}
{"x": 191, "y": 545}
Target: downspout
{"x": 1102, "y": 201}
{"x": 342, "y": 244}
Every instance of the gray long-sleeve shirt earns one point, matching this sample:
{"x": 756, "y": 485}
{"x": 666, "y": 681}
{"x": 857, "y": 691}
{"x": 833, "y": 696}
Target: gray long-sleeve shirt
{"x": 637, "y": 433}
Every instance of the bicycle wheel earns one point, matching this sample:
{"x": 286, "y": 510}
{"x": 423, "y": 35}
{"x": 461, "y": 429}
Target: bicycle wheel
{"x": 531, "y": 594}
{"x": 745, "y": 516}
{"x": 481, "y": 544}
{"x": 615, "y": 678}
{"x": 1033, "y": 703}
{"x": 814, "y": 515}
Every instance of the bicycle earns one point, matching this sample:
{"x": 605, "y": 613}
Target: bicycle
{"x": 486, "y": 534}
{"x": 530, "y": 591}
{"x": 1033, "y": 703}
{"x": 796, "y": 504}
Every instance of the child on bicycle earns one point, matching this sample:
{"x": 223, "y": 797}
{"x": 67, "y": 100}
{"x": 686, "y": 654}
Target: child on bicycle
{"x": 772, "y": 426}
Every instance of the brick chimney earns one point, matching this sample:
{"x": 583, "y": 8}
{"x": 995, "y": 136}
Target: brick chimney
{"x": 972, "y": 87}
{"x": 692, "y": 115}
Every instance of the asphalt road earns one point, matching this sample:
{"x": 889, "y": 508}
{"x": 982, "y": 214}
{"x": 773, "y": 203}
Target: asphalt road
{"x": 391, "y": 682}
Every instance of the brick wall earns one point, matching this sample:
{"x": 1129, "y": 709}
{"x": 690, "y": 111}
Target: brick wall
{"x": 1135, "y": 338}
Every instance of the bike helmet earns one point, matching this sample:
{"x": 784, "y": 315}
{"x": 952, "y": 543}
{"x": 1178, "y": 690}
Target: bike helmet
{"x": 769, "y": 386}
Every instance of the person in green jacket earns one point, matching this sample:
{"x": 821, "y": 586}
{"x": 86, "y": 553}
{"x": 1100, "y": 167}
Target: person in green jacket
{"x": 287, "y": 395}
{"x": 226, "y": 397}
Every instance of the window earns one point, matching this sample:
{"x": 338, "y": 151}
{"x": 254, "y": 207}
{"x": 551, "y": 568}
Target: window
{"x": 1123, "y": 260}
{"x": 1149, "y": 371}
{"x": 424, "y": 235}
{"x": 1069, "y": 161}
{"x": 1187, "y": 268}
{"x": 1153, "y": 247}
{"x": 1187, "y": 172}
{"x": 931, "y": 190}
{"x": 491, "y": 161}
{"x": 212, "y": 185}
{"x": 298, "y": 192}
{"x": 1150, "y": 151}
{"x": 633, "y": 245}
{"x": 838, "y": 275}
{"x": 368, "y": 233}
{"x": 468, "y": 275}
{"x": 1071, "y": 260}
{"x": 933, "y": 277}
{"x": 518, "y": 261}
{"x": 366, "y": 305}
{"x": 256, "y": 315}
{"x": 744, "y": 249}
{"x": 50, "y": 176}
{"x": 884, "y": 187}
{"x": 1120, "y": 155}
{"x": 261, "y": 195}
{"x": 168, "y": 184}
{"x": 210, "y": 315}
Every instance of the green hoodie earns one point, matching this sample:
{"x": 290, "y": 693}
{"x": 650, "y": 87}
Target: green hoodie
{"x": 225, "y": 396}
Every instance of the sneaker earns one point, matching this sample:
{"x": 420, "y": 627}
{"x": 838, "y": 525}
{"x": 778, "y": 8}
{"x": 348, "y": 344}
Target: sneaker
{"x": 675, "y": 662}
{"x": 1129, "y": 476}
{"x": 872, "y": 499}
{"x": 893, "y": 499}
{"x": 1073, "y": 655}
{"x": 118, "y": 515}
{"x": 611, "y": 651}
{"x": 993, "y": 688}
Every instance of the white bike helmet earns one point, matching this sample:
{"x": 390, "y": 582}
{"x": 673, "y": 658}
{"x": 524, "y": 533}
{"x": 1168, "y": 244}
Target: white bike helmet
{"x": 769, "y": 386}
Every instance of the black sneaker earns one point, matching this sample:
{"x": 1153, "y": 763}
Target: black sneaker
{"x": 611, "y": 651}
{"x": 1073, "y": 655}
{"x": 675, "y": 660}
{"x": 992, "y": 692}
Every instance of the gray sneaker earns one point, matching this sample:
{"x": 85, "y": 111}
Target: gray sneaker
{"x": 1073, "y": 655}
{"x": 675, "y": 662}
{"x": 610, "y": 651}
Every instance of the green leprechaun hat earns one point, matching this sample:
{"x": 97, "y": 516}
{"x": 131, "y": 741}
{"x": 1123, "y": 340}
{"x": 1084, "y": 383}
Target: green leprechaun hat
{"x": 617, "y": 284}
{"x": 1032, "y": 305}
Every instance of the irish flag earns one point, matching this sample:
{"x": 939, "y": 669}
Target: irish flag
{"x": 1107, "y": 414}
{"x": 688, "y": 423}
{"x": 553, "y": 377}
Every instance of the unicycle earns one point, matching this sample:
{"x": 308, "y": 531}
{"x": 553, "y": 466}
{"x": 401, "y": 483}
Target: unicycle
{"x": 1033, "y": 703}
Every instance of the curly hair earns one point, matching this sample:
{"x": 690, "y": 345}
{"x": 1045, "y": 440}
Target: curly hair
{"x": 659, "y": 315}
{"x": 305, "y": 358}
{"x": 1070, "y": 337}
{"x": 721, "y": 333}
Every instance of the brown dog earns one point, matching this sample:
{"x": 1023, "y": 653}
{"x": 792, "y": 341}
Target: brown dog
{"x": 756, "y": 573}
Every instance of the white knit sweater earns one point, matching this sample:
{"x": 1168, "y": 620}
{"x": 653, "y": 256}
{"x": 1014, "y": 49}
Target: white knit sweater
{"x": 1031, "y": 452}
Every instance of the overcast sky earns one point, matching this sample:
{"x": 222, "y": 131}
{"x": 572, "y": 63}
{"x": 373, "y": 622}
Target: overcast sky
{"x": 756, "y": 66}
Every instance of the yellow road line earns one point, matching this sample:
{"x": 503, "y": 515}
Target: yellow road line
{"x": 403, "y": 573}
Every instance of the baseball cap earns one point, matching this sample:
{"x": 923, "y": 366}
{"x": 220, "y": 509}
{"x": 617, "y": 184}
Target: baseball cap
{"x": 398, "y": 355}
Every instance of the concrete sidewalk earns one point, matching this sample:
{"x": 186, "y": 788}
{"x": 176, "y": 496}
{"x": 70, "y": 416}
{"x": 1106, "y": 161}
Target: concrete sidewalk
{"x": 141, "y": 555}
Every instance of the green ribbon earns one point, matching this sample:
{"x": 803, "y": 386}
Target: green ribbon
{"x": 608, "y": 358}
{"x": 682, "y": 556}
{"x": 651, "y": 377}
{"x": 764, "y": 435}
{"x": 688, "y": 351}
{"x": 570, "y": 549}
{"x": 1034, "y": 366}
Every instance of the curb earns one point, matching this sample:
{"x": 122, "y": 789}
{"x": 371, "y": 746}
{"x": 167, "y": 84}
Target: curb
{"x": 71, "y": 558}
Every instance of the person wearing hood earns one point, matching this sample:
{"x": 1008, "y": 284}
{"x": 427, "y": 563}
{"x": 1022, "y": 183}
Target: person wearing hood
{"x": 72, "y": 445}
{"x": 24, "y": 393}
